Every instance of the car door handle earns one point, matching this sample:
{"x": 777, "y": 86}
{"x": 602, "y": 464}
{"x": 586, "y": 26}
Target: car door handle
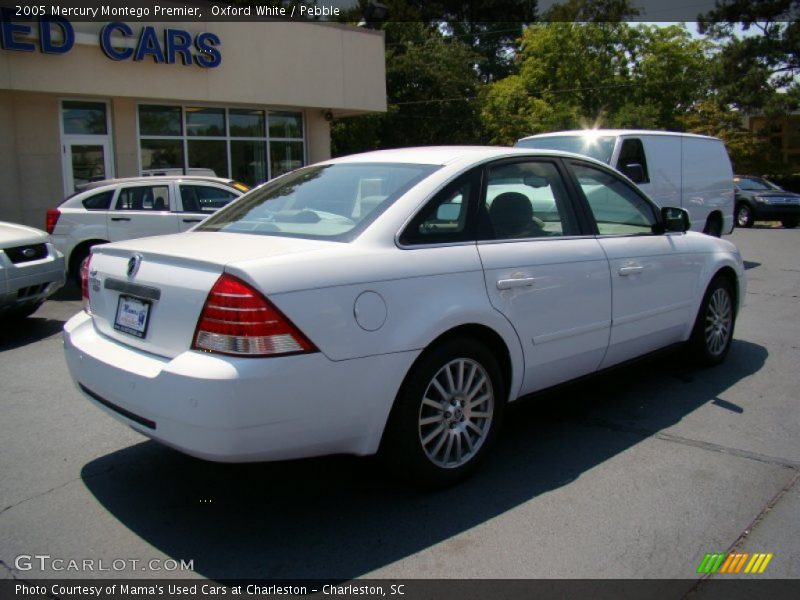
{"x": 630, "y": 270}
{"x": 192, "y": 220}
{"x": 507, "y": 284}
{"x": 120, "y": 218}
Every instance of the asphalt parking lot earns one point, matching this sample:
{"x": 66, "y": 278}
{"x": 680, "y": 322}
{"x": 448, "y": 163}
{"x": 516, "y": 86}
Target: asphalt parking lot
{"x": 634, "y": 474}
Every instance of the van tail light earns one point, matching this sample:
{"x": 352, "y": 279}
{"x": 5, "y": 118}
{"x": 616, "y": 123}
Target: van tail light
{"x": 52, "y": 219}
{"x": 238, "y": 320}
{"x": 85, "y": 283}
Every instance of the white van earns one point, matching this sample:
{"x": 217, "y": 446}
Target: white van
{"x": 674, "y": 169}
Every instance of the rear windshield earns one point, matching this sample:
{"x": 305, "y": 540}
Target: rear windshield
{"x": 598, "y": 147}
{"x": 330, "y": 202}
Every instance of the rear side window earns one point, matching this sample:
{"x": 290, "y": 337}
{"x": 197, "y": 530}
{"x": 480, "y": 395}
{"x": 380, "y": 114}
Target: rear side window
{"x": 204, "y": 198}
{"x": 144, "y": 197}
{"x": 99, "y": 201}
{"x": 632, "y": 153}
{"x": 445, "y": 217}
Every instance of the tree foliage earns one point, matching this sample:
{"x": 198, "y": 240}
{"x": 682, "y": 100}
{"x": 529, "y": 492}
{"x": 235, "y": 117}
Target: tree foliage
{"x": 753, "y": 66}
{"x": 432, "y": 84}
{"x": 575, "y": 75}
{"x": 473, "y": 22}
{"x": 456, "y": 75}
{"x": 748, "y": 153}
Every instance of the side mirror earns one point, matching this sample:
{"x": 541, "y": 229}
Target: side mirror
{"x": 634, "y": 172}
{"x": 675, "y": 219}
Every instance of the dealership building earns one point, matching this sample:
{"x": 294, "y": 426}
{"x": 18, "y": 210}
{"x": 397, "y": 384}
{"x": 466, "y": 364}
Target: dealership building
{"x": 83, "y": 101}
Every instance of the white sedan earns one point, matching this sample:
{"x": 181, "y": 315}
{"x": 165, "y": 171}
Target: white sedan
{"x": 393, "y": 301}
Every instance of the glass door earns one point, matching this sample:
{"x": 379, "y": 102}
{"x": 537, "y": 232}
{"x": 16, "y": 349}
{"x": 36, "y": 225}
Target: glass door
{"x": 85, "y": 142}
{"x": 86, "y": 161}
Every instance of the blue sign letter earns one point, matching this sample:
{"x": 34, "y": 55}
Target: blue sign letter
{"x": 178, "y": 41}
{"x": 148, "y": 44}
{"x": 7, "y": 31}
{"x": 46, "y": 35}
{"x": 209, "y": 56}
{"x": 108, "y": 46}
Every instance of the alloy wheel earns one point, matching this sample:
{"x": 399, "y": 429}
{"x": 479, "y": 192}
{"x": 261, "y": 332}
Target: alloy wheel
{"x": 456, "y": 413}
{"x": 719, "y": 321}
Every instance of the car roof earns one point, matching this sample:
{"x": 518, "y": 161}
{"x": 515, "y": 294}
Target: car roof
{"x": 617, "y": 132}
{"x": 151, "y": 179}
{"x": 444, "y": 155}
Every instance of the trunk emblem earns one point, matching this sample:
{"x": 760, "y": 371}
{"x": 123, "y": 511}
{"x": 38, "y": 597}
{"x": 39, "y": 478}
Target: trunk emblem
{"x": 133, "y": 264}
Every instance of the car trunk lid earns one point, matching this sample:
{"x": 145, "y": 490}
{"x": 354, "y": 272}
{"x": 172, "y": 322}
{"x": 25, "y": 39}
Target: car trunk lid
{"x": 149, "y": 293}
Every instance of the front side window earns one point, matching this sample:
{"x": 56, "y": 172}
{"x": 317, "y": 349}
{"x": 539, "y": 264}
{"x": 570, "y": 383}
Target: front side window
{"x": 616, "y": 207}
{"x": 526, "y": 199}
{"x": 145, "y": 197}
{"x": 330, "y": 202}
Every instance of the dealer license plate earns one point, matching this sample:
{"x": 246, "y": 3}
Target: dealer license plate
{"x": 132, "y": 316}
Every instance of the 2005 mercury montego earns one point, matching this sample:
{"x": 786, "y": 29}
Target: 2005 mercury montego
{"x": 393, "y": 301}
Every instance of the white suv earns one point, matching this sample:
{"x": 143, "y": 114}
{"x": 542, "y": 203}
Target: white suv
{"x": 122, "y": 209}
{"x": 30, "y": 270}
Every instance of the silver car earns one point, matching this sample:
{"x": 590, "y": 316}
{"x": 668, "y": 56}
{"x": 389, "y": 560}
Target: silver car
{"x": 30, "y": 269}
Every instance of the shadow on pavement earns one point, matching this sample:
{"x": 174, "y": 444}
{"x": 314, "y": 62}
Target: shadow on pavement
{"x": 70, "y": 291}
{"x": 27, "y": 331}
{"x": 341, "y": 517}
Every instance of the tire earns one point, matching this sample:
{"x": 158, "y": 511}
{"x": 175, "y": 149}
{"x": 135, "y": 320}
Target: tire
{"x": 789, "y": 223}
{"x": 713, "y": 328}
{"x": 80, "y": 253}
{"x": 713, "y": 226}
{"x": 446, "y": 415}
{"x": 744, "y": 215}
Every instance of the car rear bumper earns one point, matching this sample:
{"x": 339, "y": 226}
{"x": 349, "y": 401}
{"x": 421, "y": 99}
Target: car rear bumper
{"x": 28, "y": 283}
{"x": 232, "y": 409}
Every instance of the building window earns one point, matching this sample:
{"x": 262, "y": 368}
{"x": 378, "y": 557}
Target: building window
{"x": 249, "y": 145}
{"x": 84, "y": 118}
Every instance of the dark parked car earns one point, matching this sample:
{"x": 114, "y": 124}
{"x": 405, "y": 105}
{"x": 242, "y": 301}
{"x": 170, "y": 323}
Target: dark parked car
{"x": 760, "y": 200}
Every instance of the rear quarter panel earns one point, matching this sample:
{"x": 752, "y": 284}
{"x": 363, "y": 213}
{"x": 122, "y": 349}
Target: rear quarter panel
{"x": 426, "y": 292}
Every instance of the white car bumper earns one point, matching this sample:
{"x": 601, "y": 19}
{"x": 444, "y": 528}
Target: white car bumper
{"x": 232, "y": 409}
{"x": 32, "y": 282}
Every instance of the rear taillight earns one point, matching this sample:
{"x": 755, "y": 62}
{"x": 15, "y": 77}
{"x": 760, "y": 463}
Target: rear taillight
{"x": 238, "y": 320}
{"x": 85, "y": 284}
{"x": 52, "y": 219}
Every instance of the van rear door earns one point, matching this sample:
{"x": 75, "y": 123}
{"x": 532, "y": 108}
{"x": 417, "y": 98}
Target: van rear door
{"x": 707, "y": 182}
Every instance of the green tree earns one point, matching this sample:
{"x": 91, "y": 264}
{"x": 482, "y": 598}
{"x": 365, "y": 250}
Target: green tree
{"x": 432, "y": 82}
{"x": 593, "y": 74}
{"x": 476, "y": 23}
{"x": 748, "y": 153}
{"x": 751, "y": 68}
